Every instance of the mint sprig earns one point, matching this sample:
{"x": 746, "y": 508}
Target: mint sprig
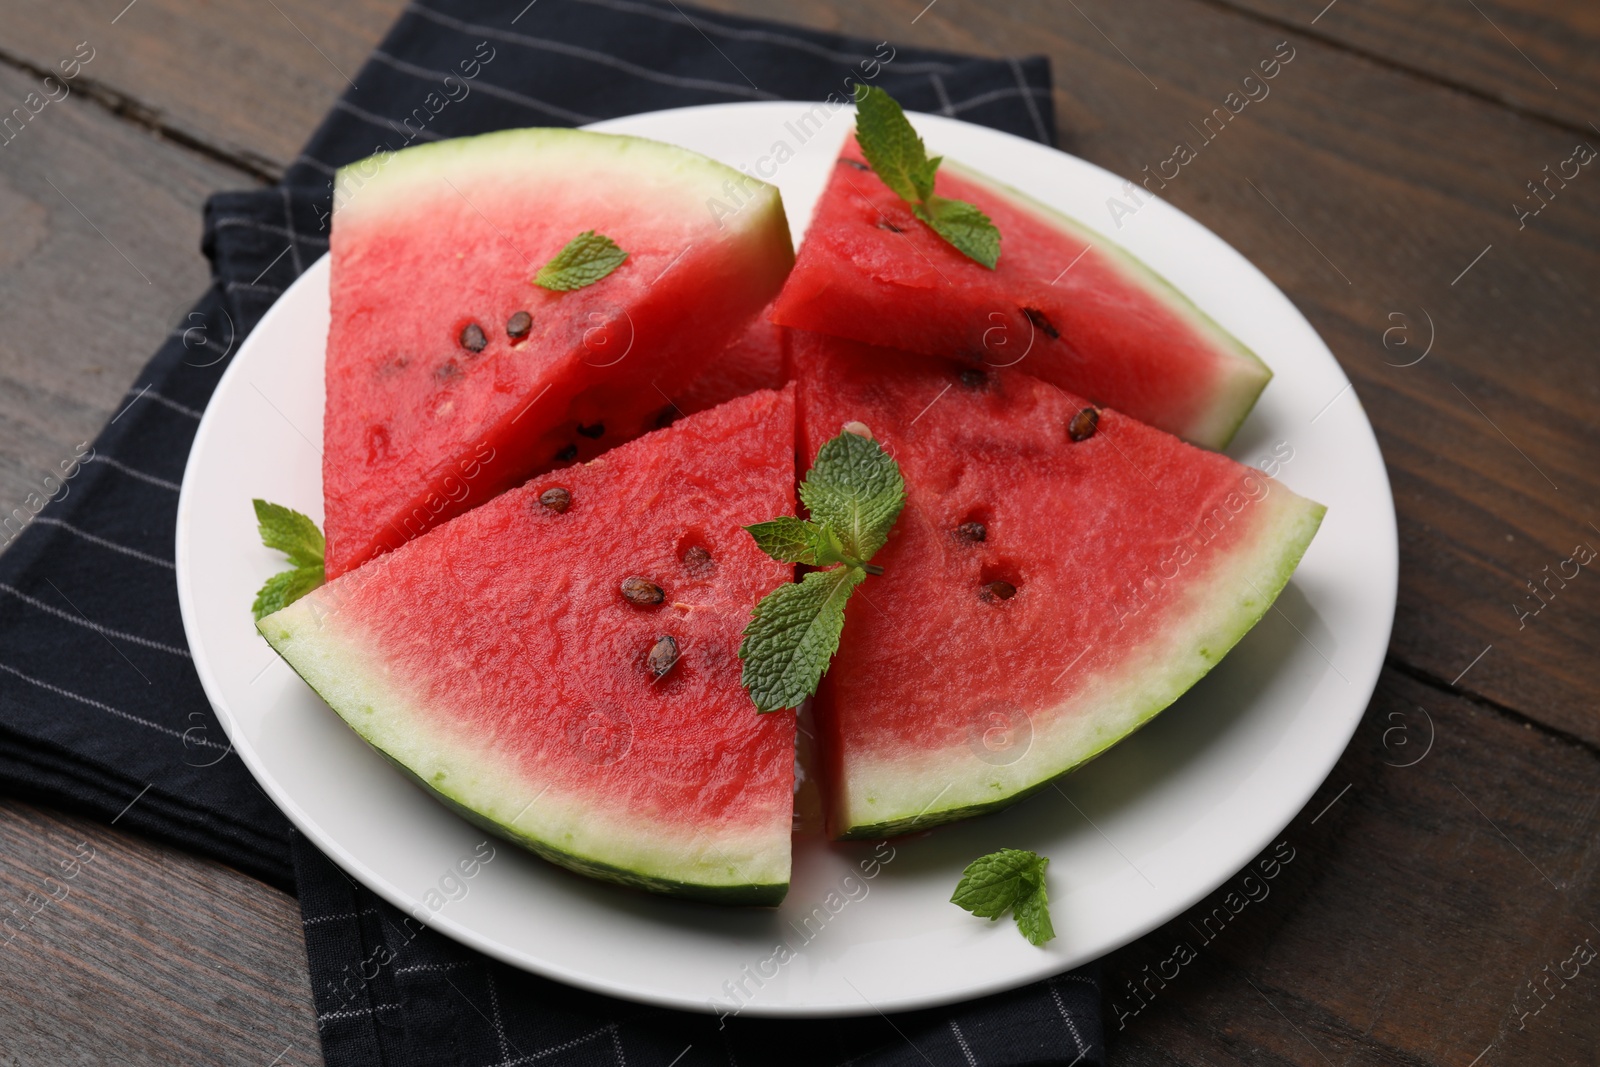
{"x": 854, "y": 492}
{"x": 1009, "y": 880}
{"x": 297, "y": 537}
{"x": 583, "y": 261}
{"x": 900, "y": 159}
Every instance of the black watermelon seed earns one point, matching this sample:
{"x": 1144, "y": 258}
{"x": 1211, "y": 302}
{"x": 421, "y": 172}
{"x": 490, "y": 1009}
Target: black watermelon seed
{"x": 518, "y": 325}
{"x": 593, "y": 432}
{"x": 642, "y": 591}
{"x": 473, "y": 338}
{"x": 447, "y": 371}
{"x": 556, "y": 499}
{"x": 663, "y": 655}
{"x": 666, "y": 416}
{"x": 1042, "y": 322}
{"x": 973, "y": 378}
{"x": 885, "y": 224}
{"x": 997, "y": 591}
{"x": 1083, "y": 424}
{"x": 856, "y": 164}
{"x": 972, "y": 531}
{"x": 568, "y": 454}
{"x": 697, "y": 560}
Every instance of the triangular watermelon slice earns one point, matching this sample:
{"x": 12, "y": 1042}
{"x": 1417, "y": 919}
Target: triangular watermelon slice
{"x": 1059, "y": 575}
{"x": 1064, "y": 303}
{"x": 451, "y": 377}
{"x": 561, "y": 664}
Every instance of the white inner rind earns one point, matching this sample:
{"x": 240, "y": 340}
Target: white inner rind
{"x": 1218, "y": 609}
{"x": 331, "y": 653}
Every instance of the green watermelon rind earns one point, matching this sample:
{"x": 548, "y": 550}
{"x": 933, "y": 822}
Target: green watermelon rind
{"x": 367, "y": 183}
{"x": 759, "y": 895}
{"x": 1235, "y": 396}
{"x": 342, "y": 670}
{"x": 1288, "y": 538}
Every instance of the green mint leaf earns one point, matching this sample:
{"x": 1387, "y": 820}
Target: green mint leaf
{"x": 284, "y": 589}
{"x": 893, "y": 149}
{"x": 900, "y": 159}
{"x": 1011, "y": 879}
{"x": 855, "y": 488}
{"x": 791, "y": 540}
{"x": 291, "y": 533}
{"x": 793, "y": 633}
{"x": 964, "y": 226}
{"x": 1032, "y": 914}
{"x": 586, "y": 259}
{"x": 297, "y": 537}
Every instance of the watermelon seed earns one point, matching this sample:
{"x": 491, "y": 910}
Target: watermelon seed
{"x": 973, "y": 378}
{"x": 1083, "y": 424}
{"x": 972, "y": 531}
{"x": 856, "y": 164}
{"x": 447, "y": 370}
{"x": 473, "y": 338}
{"x": 1040, "y": 322}
{"x": 666, "y": 416}
{"x": 518, "y": 325}
{"x": 594, "y": 431}
{"x": 642, "y": 591}
{"x": 557, "y": 499}
{"x": 885, "y": 224}
{"x": 663, "y": 654}
{"x": 997, "y": 591}
{"x": 567, "y": 454}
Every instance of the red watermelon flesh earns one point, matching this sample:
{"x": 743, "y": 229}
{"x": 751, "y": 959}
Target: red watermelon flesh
{"x": 1064, "y": 303}
{"x": 498, "y": 661}
{"x": 423, "y": 419}
{"x": 757, "y": 358}
{"x": 1042, "y": 598}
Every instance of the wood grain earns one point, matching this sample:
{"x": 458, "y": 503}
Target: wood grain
{"x": 100, "y": 254}
{"x": 116, "y": 950}
{"x": 1406, "y": 930}
{"x": 245, "y": 81}
{"x": 1536, "y": 56}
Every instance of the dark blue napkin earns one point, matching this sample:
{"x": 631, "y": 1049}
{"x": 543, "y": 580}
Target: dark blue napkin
{"x": 100, "y": 709}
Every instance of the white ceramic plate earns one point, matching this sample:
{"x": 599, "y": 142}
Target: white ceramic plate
{"x": 1134, "y": 838}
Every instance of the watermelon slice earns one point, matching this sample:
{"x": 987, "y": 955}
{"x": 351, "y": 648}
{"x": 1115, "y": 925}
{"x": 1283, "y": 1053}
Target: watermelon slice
{"x": 560, "y": 665}
{"x": 451, "y": 377}
{"x": 757, "y": 358}
{"x": 1043, "y": 596}
{"x": 1064, "y": 303}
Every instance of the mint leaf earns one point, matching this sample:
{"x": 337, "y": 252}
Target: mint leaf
{"x": 855, "y": 488}
{"x": 297, "y": 537}
{"x": 1032, "y": 914}
{"x": 291, "y": 533}
{"x": 964, "y": 226}
{"x": 586, "y": 259}
{"x": 893, "y": 149}
{"x": 793, "y": 633}
{"x": 900, "y": 159}
{"x": 284, "y": 589}
{"x": 791, "y": 540}
{"x": 855, "y": 493}
{"x": 1010, "y": 879}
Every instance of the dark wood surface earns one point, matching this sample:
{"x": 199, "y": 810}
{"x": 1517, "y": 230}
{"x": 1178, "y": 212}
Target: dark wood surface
{"x": 1420, "y": 902}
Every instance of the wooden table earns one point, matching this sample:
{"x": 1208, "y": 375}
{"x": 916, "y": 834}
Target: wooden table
{"x": 1433, "y": 904}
